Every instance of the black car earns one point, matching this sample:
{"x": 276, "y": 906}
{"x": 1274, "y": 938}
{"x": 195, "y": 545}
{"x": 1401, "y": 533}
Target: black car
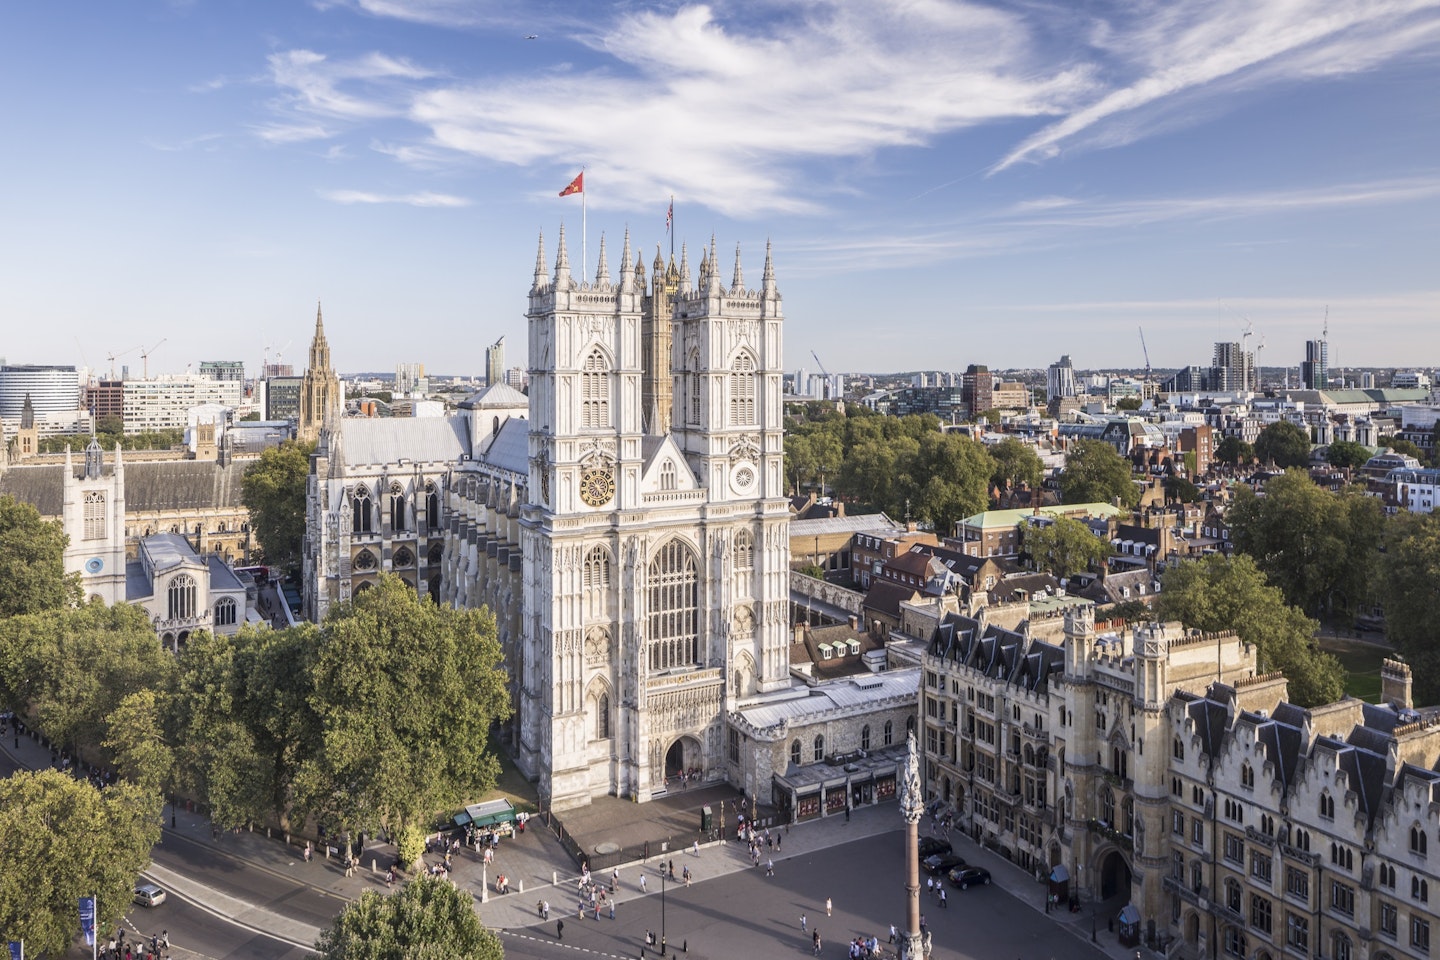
{"x": 929, "y": 846}
{"x": 967, "y": 877}
{"x": 942, "y": 863}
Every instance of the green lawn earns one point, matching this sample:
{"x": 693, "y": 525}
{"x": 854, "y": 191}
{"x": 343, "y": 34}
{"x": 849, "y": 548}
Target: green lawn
{"x": 1362, "y": 666}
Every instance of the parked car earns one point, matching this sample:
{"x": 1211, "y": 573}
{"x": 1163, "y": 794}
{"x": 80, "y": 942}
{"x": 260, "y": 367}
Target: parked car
{"x": 929, "y": 846}
{"x": 967, "y": 877}
{"x": 942, "y": 863}
{"x": 149, "y": 895}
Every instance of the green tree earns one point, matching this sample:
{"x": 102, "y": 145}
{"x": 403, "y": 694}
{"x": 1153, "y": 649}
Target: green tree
{"x": 1409, "y": 587}
{"x": 135, "y": 737}
{"x": 62, "y": 839}
{"x": 273, "y": 490}
{"x": 1283, "y": 444}
{"x": 1347, "y": 454}
{"x": 1064, "y": 547}
{"x": 1318, "y": 547}
{"x": 1016, "y": 463}
{"x": 32, "y": 562}
{"x": 74, "y": 667}
{"x": 1095, "y": 473}
{"x": 405, "y": 691}
{"x": 429, "y": 919}
{"x": 1219, "y": 593}
{"x": 1234, "y": 451}
{"x": 947, "y": 479}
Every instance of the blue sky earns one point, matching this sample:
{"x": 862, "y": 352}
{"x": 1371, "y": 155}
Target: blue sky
{"x": 944, "y": 183}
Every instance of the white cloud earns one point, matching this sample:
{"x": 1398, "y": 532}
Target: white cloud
{"x": 422, "y": 199}
{"x": 1171, "y": 48}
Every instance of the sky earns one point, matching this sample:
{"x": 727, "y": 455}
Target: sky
{"x": 943, "y": 183}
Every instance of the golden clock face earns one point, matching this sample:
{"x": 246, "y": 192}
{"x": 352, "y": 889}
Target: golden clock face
{"x": 597, "y": 487}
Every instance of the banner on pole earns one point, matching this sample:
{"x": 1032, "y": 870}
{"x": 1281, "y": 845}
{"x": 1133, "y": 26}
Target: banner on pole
{"x": 87, "y": 920}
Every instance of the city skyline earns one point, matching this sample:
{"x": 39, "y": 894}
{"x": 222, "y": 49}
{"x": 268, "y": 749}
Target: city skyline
{"x": 996, "y": 177}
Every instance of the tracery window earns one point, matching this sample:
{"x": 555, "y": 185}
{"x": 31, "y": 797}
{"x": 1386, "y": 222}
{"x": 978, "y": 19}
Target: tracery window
{"x": 397, "y": 508}
{"x": 595, "y": 391}
{"x": 181, "y": 596}
{"x": 364, "y": 511}
{"x": 673, "y": 620}
{"x": 742, "y": 391}
{"x": 95, "y": 515}
{"x": 225, "y": 612}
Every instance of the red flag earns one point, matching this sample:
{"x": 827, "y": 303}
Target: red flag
{"x": 669, "y": 216}
{"x": 576, "y": 186}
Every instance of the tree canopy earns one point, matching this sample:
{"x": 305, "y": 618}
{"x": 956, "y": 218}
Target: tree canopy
{"x": 62, "y": 839}
{"x": 1283, "y": 444}
{"x": 1234, "y": 451}
{"x": 1064, "y": 547}
{"x": 1016, "y": 464}
{"x": 1409, "y": 587}
{"x": 428, "y": 919}
{"x": 1095, "y": 473}
{"x": 1219, "y": 593}
{"x": 1318, "y": 547}
{"x": 32, "y": 562}
{"x": 1347, "y": 454}
{"x": 273, "y": 490}
{"x": 405, "y": 692}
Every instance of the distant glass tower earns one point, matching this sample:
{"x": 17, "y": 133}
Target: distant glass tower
{"x": 1315, "y": 370}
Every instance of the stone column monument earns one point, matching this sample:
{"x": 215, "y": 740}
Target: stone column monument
{"x": 912, "y": 805}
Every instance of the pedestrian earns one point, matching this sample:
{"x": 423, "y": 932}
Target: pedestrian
{"x": 559, "y": 929}
{"x": 769, "y": 868}
{"x": 827, "y": 907}
{"x": 802, "y": 923}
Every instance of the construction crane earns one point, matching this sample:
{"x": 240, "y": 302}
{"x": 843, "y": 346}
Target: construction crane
{"x": 145, "y": 356}
{"x": 112, "y": 357}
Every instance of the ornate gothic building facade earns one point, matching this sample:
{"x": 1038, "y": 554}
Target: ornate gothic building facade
{"x": 628, "y": 526}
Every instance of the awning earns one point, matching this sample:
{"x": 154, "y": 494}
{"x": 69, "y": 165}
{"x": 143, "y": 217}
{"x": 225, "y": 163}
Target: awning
{"x": 1129, "y": 914}
{"x": 1059, "y": 874}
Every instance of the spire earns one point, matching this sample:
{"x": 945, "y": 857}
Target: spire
{"x": 767, "y": 284}
{"x": 627, "y": 279}
{"x": 737, "y": 284}
{"x": 713, "y": 287}
{"x": 684, "y": 270}
{"x": 562, "y": 263}
{"x": 602, "y": 266}
{"x": 542, "y": 278}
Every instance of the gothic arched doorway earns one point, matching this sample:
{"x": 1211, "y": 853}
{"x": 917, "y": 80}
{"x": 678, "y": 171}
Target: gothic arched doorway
{"x": 683, "y": 757}
{"x": 1114, "y": 875}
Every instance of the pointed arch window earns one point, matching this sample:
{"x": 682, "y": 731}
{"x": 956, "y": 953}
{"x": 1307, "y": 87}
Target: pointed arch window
{"x": 742, "y": 391}
{"x": 225, "y": 612}
{"x": 397, "y": 508}
{"x": 363, "y": 510}
{"x": 432, "y": 506}
{"x": 181, "y": 597}
{"x": 673, "y": 622}
{"x": 95, "y": 515}
{"x": 595, "y": 391}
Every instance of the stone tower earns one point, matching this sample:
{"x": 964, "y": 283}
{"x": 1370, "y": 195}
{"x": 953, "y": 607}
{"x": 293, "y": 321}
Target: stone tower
{"x": 320, "y": 388}
{"x": 93, "y": 517}
{"x": 655, "y": 563}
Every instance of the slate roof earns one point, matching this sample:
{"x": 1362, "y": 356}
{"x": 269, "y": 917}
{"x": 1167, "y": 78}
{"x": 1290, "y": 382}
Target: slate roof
{"x": 997, "y": 653}
{"x": 371, "y": 441}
